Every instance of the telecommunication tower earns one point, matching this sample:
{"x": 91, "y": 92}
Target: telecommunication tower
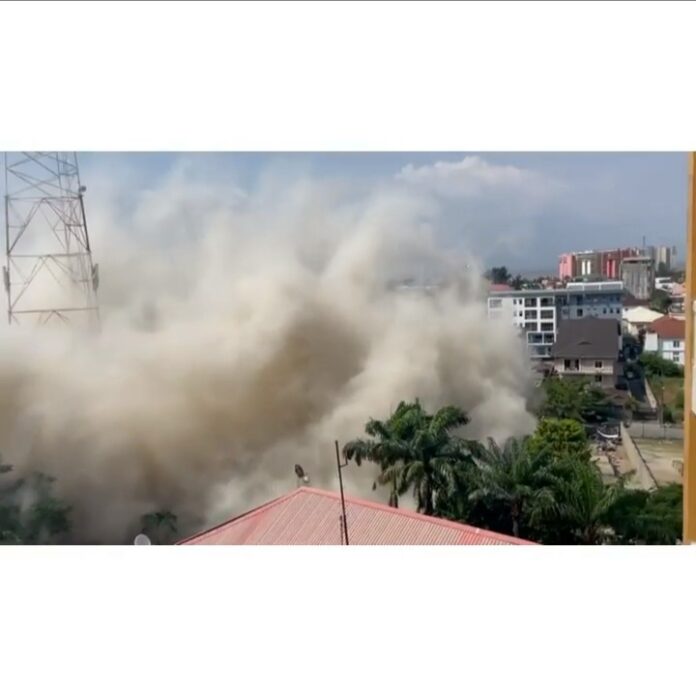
{"x": 49, "y": 273}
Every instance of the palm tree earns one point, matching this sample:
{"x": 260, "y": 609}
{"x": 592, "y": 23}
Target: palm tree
{"x": 415, "y": 451}
{"x": 585, "y": 503}
{"x": 513, "y": 477}
{"x": 160, "y": 525}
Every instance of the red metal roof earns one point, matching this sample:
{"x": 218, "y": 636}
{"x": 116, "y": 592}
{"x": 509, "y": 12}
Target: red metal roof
{"x": 312, "y": 517}
{"x": 499, "y": 287}
{"x": 668, "y": 328}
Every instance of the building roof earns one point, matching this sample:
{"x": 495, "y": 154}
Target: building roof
{"x": 668, "y": 328}
{"x": 498, "y": 287}
{"x": 588, "y": 338}
{"x": 641, "y": 315}
{"x": 312, "y": 517}
{"x": 604, "y": 286}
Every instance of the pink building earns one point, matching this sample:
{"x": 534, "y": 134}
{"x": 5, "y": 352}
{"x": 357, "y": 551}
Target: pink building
{"x": 566, "y": 266}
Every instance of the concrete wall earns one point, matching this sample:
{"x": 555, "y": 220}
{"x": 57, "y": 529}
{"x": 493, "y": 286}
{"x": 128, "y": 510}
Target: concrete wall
{"x": 635, "y": 459}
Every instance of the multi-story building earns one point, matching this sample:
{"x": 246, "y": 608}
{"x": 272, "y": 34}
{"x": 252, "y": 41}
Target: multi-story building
{"x": 538, "y": 312}
{"x": 604, "y": 264}
{"x": 638, "y": 276}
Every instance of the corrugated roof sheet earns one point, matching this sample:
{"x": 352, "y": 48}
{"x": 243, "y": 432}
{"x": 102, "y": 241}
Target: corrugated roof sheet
{"x": 311, "y": 516}
{"x": 668, "y": 328}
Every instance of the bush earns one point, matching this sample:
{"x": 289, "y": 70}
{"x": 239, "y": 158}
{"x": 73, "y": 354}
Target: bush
{"x": 654, "y": 365}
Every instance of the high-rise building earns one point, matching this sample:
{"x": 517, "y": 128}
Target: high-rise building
{"x": 597, "y": 264}
{"x": 638, "y": 276}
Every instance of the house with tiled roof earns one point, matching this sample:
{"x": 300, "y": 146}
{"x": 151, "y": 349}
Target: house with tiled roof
{"x": 309, "y": 516}
{"x": 665, "y": 336}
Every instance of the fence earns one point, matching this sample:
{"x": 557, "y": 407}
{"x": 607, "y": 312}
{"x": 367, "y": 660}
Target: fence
{"x": 656, "y": 430}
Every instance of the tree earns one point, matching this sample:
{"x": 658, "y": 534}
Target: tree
{"x": 516, "y": 283}
{"x": 499, "y": 275}
{"x": 416, "y": 451}
{"x": 661, "y": 301}
{"x": 648, "y": 517}
{"x": 654, "y": 365}
{"x": 569, "y": 399}
{"x": 582, "y": 507}
{"x": 29, "y": 512}
{"x": 160, "y": 526}
{"x": 560, "y": 439}
{"x": 516, "y": 480}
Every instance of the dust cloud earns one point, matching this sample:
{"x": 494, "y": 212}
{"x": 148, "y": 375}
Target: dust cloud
{"x": 242, "y": 334}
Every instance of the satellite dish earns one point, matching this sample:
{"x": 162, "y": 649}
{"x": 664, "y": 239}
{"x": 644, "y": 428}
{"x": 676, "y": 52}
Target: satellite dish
{"x": 142, "y": 540}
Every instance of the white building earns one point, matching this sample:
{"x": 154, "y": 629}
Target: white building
{"x": 636, "y": 319}
{"x": 538, "y": 312}
{"x": 665, "y": 336}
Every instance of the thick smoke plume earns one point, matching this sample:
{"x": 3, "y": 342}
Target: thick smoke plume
{"x": 241, "y": 335}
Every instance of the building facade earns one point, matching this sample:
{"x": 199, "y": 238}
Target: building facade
{"x": 638, "y": 276}
{"x": 538, "y": 313}
{"x": 588, "y": 349}
{"x": 665, "y": 337}
{"x": 604, "y": 264}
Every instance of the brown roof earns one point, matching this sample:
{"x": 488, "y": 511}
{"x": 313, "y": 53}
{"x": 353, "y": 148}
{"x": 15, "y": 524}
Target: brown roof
{"x": 588, "y": 338}
{"x": 668, "y": 328}
{"x": 312, "y": 517}
{"x": 499, "y": 287}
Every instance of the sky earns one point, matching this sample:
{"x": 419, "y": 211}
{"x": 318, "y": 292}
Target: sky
{"x": 518, "y": 209}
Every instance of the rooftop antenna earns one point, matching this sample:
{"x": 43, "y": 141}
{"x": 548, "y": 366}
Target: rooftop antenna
{"x": 344, "y": 523}
{"x": 48, "y": 273}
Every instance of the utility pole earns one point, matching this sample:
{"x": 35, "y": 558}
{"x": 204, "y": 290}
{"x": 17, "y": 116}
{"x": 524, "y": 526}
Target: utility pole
{"x": 48, "y": 274}
{"x": 689, "y": 479}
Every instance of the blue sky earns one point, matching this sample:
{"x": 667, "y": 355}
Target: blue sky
{"x": 522, "y": 209}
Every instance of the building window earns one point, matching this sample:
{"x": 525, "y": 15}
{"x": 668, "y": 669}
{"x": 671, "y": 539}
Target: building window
{"x": 530, "y": 326}
{"x": 604, "y": 311}
{"x": 571, "y": 364}
{"x": 598, "y": 378}
{"x": 530, "y": 302}
{"x": 533, "y": 337}
{"x": 495, "y": 303}
{"x": 675, "y": 356}
{"x": 546, "y": 327}
{"x": 546, "y": 301}
{"x": 548, "y": 338}
{"x": 546, "y": 314}
{"x": 598, "y": 364}
{"x": 676, "y": 344}
{"x": 579, "y": 312}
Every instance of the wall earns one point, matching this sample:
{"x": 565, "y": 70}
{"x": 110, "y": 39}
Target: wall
{"x": 643, "y": 474}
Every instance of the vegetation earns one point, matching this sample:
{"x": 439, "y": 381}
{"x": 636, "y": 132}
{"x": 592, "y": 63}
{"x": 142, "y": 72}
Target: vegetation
{"x": 543, "y": 488}
{"x": 29, "y": 512}
{"x": 160, "y": 526}
{"x": 415, "y": 452}
{"x": 561, "y": 439}
{"x": 661, "y": 301}
{"x": 578, "y": 400}
{"x": 654, "y": 365}
{"x": 499, "y": 275}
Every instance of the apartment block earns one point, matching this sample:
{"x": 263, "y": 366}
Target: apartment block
{"x": 538, "y": 312}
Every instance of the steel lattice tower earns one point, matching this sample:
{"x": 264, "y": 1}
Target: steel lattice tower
{"x": 49, "y": 271}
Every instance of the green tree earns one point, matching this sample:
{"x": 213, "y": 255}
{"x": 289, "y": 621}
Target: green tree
{"x": 560, "y": 439}
{"x": 499, "y": 275}
{"x": 516, "y": 480}
{"x": 661, "y": 301}
{"x": 160, "y": 526}
{"x": 648, "y": 517}
{"x": 416, "y": 451}
{"x": 582, "y": 507}
{"x": 654, "y": 366}
{"x": 516, "y": 283}
{"x": 571, "y": 399}
{"x": 29, "y": 512}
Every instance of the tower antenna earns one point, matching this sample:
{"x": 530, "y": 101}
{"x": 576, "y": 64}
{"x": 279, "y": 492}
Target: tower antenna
{"x": 48, "y": 273}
